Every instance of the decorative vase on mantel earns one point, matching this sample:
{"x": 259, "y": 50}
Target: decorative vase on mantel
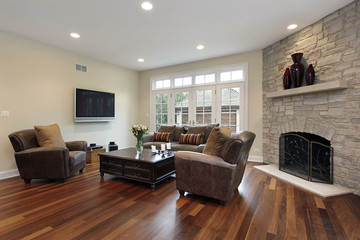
{"x": 297, "y": 70}
{"x": 287, "y": 79}
{"x": 310, "y": 75}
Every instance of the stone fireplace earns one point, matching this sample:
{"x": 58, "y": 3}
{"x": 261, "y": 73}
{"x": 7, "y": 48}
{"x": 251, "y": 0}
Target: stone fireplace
{"x": 332, "y": 45}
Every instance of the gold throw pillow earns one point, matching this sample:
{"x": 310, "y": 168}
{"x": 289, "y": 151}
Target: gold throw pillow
{"x": 49, "y": 136}
{"x": 216, "y": 141}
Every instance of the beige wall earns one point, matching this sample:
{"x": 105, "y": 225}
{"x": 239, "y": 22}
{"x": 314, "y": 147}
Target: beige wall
{"x": 37, "y": 85}
{"x": 254, "y": 60}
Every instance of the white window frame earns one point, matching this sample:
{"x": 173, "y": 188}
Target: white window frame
{"x": 243, "y": 84}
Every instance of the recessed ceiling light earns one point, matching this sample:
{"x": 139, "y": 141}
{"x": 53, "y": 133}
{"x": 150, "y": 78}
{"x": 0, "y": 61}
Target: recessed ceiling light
{"x": 141, "y": 60}
{"x": 292, "y": 26}
{"x": 200, "y": 47}
{"x": 74, "y": 35}
{"x": 147, "y": 6}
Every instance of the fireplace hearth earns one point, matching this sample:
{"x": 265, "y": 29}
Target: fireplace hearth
{"x": 307, "y": 156}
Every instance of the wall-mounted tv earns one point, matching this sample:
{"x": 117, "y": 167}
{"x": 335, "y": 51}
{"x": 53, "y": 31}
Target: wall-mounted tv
{"x": 94, "y": 106}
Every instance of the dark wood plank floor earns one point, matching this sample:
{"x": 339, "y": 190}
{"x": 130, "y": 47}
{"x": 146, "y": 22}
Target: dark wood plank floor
{"x": 89, "y": 207}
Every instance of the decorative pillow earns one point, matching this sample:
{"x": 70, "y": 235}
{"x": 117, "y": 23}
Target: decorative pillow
{"x": 167, "y": 129}
{"x": 208, "y": 130}
{"x": 197, "y": 130}
{"x": 193, "y": 139}
{"x": 162, "y": 136}
{"x": 49, "y": 136}
{"x": 216, "y": 140}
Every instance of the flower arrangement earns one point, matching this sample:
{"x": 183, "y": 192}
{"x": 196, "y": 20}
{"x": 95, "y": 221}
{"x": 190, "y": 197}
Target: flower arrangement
{"x": 139, "y": 131}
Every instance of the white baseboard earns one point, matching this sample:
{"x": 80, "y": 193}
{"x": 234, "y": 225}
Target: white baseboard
{"x": 256, "y": 159}
{"x": 9, "y": 173}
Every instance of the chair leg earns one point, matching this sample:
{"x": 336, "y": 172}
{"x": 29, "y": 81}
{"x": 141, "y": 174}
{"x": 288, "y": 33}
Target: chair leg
{"x": 27, "y": 180}
{"x": 182, "y": 193}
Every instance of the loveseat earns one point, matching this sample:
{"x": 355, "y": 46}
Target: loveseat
{"x": 175, "y": 138}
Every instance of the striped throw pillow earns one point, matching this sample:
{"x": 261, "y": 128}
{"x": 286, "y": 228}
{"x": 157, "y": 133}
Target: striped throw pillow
{"x": 162, "y": 136}
{"x": 194, "y": 139}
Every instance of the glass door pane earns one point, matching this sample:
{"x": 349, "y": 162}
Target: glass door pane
{"x": 161, "y": 109}
{"x": 204, "y": 106}
{"x": 181, "y": 104}
{"x": 230, "y": 108}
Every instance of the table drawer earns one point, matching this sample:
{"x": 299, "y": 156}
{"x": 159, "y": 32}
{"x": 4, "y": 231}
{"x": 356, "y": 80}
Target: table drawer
{"x": 111, "y": 168}
{"x": 112, "y": 161}
{"x": 136, "y": 165}
{"x": 137, "y": 173}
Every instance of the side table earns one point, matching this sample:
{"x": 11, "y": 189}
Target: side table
{"x": 92, "y": 156}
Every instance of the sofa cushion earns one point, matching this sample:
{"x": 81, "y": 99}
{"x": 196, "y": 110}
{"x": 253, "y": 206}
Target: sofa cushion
{"x": 162, "y": 136}
{"x": 193, "y": 139}
{"x": 177, "y": 132}
{"x": 185, "y": 147}
{"x": 49, "y": 136}
{"x": 216, "y": 141}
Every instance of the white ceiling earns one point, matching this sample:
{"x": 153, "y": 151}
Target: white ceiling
{"x": 120, "y": 32}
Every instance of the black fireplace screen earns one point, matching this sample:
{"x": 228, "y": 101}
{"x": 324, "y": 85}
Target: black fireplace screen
{"x": 307, "y": 156}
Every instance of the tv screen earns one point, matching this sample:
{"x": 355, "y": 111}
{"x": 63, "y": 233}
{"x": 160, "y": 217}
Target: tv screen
{"x": 93, "y": 106}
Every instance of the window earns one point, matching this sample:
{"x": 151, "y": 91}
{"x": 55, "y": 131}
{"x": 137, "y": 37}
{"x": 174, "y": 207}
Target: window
{"x": 161, "y": 109}
{"x": 181, "y": 108}
{"x": 205, "y": 79}
{"x": 230, "y": 108}
{"x": 160, "y": 84}
{"x": 216, "y": 95}
{"x": 183, "y": 81}
{"x": 232, "y": 76}
{"x": 204, "y": 108}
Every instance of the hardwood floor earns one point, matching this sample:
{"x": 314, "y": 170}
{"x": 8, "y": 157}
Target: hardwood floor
{"x": 89, "y": 207}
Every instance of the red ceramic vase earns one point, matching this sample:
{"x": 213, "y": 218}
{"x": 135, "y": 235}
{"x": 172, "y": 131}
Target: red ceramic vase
{"x": 310, "y": 75}
{"x": 287, "y": 79}
{"x": 297, "y": 70}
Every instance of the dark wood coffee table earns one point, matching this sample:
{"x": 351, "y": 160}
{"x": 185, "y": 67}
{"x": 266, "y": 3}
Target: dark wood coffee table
{"x": 148, "y": 167}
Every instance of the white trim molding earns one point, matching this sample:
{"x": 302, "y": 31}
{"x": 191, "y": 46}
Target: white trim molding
{"x": 9, "y": 173}
{"x": 256, "y": 159}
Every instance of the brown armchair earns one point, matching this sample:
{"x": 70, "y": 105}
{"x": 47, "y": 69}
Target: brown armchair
{"x": 35, "y": 162}
{"x": 214, "y": 176}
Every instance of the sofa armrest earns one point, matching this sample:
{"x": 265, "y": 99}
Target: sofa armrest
{"x": 148, "y": 137}
{"x": 201, "y": 148}
{"x": 43, "y": 162}
{"x": 76, "y": 145}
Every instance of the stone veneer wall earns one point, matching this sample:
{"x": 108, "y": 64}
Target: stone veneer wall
{"x": 332, "y": 45}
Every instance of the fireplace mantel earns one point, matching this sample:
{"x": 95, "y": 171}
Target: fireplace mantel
{"x": 321, "y": 87}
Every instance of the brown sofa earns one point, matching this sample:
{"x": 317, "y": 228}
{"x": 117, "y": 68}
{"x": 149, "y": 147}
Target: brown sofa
{"x": 214, "y": 176}
{"x": 35, "y": 162}
{"x": 177, "y": 131}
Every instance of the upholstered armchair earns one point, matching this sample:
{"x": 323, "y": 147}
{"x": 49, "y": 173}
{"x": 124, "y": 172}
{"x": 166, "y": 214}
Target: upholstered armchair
{"x": 49, "y": 162}
{"x": 214, "y": 176}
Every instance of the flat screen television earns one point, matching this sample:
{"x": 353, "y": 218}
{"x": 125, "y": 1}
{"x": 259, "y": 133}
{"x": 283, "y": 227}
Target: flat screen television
{"x": 94, "y": 106}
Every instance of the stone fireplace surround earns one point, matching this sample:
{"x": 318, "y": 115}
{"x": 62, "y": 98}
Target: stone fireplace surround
{"x": 332, "y": 45}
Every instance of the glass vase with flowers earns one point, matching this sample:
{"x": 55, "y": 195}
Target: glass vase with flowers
{"x": 139, "y": 131}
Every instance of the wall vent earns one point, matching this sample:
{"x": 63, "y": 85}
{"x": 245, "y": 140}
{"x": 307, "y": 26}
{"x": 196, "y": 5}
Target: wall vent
{"x": 81, "y": 68}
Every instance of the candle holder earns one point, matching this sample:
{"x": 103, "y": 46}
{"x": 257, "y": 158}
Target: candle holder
{"x": 163, "y": 153}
